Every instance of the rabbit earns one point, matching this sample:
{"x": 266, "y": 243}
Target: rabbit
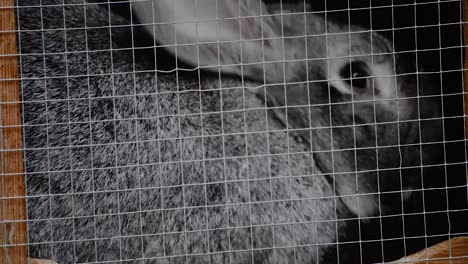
{"x": 249, "y": 165}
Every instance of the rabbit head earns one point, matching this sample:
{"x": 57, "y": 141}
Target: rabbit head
{"x": 335, "y": 85}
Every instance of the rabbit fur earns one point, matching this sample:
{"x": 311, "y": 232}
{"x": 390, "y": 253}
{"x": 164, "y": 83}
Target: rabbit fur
{"x": 125, "y": 164}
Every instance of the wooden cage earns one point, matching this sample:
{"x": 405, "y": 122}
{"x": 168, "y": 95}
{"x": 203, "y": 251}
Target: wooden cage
{"x": 13, "y": 225}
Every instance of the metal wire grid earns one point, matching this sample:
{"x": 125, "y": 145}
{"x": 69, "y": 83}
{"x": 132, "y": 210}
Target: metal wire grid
{"x": 139, "y": 188}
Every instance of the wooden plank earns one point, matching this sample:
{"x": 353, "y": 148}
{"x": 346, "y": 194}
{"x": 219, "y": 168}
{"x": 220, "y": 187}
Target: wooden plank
{"x": 454, "y": 251}
{"x": 13, "y": 235}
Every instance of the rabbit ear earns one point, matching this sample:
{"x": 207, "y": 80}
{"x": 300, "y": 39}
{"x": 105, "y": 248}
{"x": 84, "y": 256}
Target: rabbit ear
{"x": 216, "y": 34}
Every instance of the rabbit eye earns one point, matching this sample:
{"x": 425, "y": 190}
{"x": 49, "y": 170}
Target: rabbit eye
{"x": 356, "y": 75}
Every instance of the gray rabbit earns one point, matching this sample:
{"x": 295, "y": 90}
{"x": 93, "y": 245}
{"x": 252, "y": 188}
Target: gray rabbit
{"x": 258, "y": 163}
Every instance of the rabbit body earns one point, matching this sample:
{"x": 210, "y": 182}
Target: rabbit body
{"x": 125, "y": 165}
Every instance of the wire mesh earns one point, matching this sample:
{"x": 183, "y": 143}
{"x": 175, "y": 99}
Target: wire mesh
{"x": 245, "y": 131}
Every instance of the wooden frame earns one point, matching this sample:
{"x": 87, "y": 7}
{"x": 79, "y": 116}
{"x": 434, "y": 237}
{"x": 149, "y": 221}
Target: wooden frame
{"x": 454, "y": 251}
{"x": 13, "y": 228}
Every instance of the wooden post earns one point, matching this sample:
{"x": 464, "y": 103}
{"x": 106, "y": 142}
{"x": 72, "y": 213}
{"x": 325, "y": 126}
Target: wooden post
{"x": 13, "y": 228}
